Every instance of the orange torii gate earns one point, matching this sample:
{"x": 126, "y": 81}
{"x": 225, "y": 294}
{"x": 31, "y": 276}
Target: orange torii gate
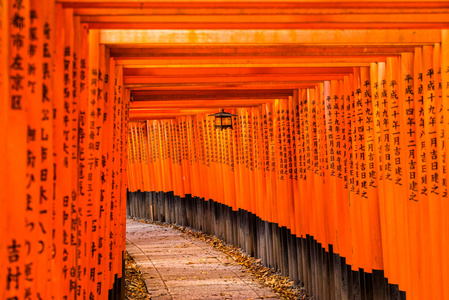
{"x": 335, "y": 172}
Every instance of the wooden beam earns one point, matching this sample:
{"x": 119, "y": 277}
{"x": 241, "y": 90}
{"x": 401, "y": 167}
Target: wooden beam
{"x": 244, "y": 51}
{"x": 192, "y": 95}
{"x": 197, "y": 103}
{"x": 273, "y": 62}
{"x": 152, "y": 80}
{"x": 234, "y": 72}
{"x": 254, "y": 4}
{"x": 223, "y": 86}
{"x": 267, "y": 37}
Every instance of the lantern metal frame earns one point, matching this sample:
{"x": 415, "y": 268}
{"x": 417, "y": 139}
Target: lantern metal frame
{"x": 223, "y": 115}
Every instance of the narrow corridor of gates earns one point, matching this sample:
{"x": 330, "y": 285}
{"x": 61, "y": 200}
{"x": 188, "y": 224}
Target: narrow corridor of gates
{"x": 335, "y": 171}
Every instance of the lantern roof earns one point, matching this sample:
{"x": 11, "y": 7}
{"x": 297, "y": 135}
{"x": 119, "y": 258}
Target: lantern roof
{"x": 222, "y": 114}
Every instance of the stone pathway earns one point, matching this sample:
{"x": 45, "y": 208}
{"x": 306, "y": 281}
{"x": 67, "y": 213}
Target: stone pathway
{"x": 177, "y": 266}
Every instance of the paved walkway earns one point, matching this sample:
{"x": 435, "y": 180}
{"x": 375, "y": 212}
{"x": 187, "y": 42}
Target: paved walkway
{"x": 178, "y": 266}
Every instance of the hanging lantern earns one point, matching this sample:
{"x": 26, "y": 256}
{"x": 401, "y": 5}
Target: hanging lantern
{"x": 223, "y": 120}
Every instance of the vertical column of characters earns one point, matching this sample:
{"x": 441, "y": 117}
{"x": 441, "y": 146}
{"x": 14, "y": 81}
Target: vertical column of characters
{"x": 286, "y": 187}
{"x": 153, "y": 155}
{"x": 176, "y": 167}
{"x": 78, "y": 87}
{"x": 62, "y": 163}
{"x": 232, "y": 173}
{"x": 326, "y": 216}
{"x": 430, "y": 106}
{"x": 266, "y": 163}
{"x": 107, "y": 164}
{"x": 143, "y": 164}
{"x": 445, "y": 112}
{"x": 332, "y": 125}
{"x": 284, "y": 162}
{"x": 131, "y": 160}
{"x": 237, "y": 123}
{"x": 116, "y": 176}
{"x": 3, "y": 124}
{"x": 140, "y": 163}
{"x": 288, "y": 162}
{"x": 244, "y": 179}
{"x": 328, "y": 161}
{"x": 156, "y": 151}
{"x": 191, "y": 143}
{"x": 169, "y": 143}
{"x": 76, "y": 105}
{"x": 441, "y": 181}
{"x": 419, "y": 72}
{"x": 93, "y": 159}
{"x": 33, "y": 226}
{"x": 373, "y": 136}
{"x": 297, "y": 162}
{"x": 192, "y": 154}
{"x": 241, "y": 151}
{"x": 340, "y": 145}
{"x": 272, "y": 159}
{"x": 150, "y": 155}
{"x": 70, "y": 93}
{"x": 218, "y": 143}
{"x": 382, "y": 145}
{"x": 370, "y": 199}
{"x": 438, "y": 178}
{"x": 120, "y": 209}
{"x": 207, "y": 156}
{"x": 309, "y": 143}
{"x": 83, "y": 152}
{"x": 163, "y": 151}
{"x": 174, "y": 157}
{"x": 258, "y": 185}
{"x": 279, "y": 159}
{"x": 357, "y": 241}
{"x": 328, "y": 206}
{"x": 133, "y": 153}
{"x": 402, "y": 205}
{"x": 17, "y": 157}
{"x": 197, "y": 153}
{"x": 360, "y": 175}
{"x": 393, "y": 163}
{"x": 302, "y": 154}
{"x": 205, "y": 164}
{"x": 293, "y": 163}
{"x": 252, "y": 127}
{"x": 421, "y": 168}
{"x": 223, "y": 167}
{"x": 346, "y": 138}
{"x": 314, "y": 161}
{"x": 104, "y": 155}
{"x": 46, "y": 48}
{"x": 163, "y": 154}
{"x": 220, "y": 165}
{"x": 409, "y": 157}
{"x": 249, "y": 146}
{"x": 320, "y": 182}
{"x": 203, "y": 144}
{"x": 185, "y": 159}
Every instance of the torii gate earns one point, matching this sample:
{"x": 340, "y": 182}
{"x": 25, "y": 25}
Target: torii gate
{"x": 337, "y": 156}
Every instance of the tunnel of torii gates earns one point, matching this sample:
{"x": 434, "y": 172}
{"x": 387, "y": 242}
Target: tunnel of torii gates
{"x": 335, "y": 172}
